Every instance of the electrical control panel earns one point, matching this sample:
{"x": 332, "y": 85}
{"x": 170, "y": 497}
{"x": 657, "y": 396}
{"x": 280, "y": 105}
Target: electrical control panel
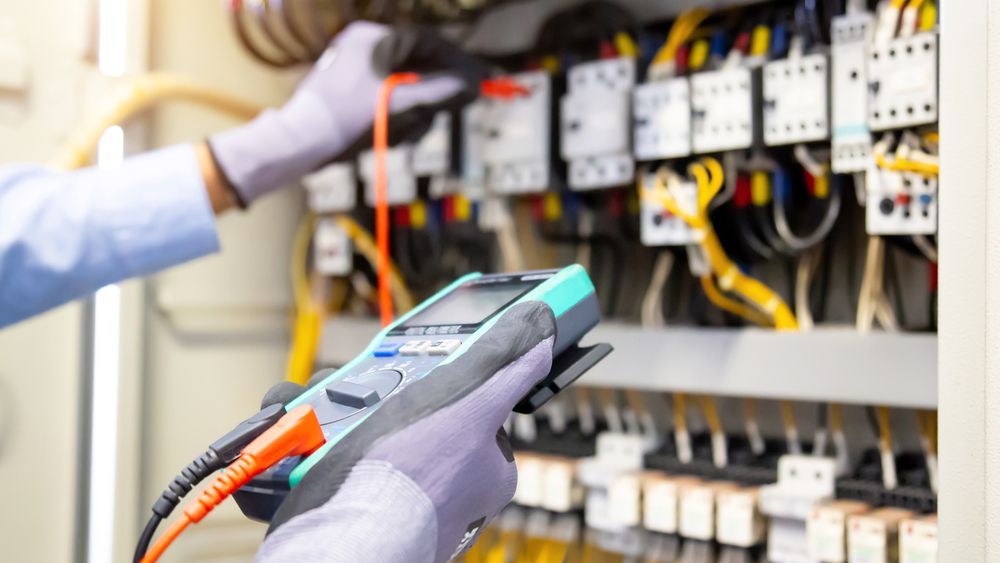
{"x": 432, "y": 153}
{"x": 903, "y": 82}
{"x": 723, "y": 109}
{"x": 852, "y": 142}
{"x": 662, "y": 125}
{"x": 659, "y": 227}
{"x": 796, "y": 105}
{"x": 595, "y": 118}
{"x": 401, "y": 186}
{"x": 517, "y": 131}
{"x": 332, "y": 189}
{"x": 901, "y": 203}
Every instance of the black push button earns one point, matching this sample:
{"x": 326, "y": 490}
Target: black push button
{"x": 351, "y": 394}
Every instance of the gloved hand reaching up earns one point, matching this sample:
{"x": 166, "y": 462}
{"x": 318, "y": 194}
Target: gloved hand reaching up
{"x": 332, "y": 111}
{"x": 419, "y": 479}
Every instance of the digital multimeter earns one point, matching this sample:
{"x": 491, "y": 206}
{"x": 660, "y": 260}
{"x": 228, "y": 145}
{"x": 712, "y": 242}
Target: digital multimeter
{"x": 436, "y": 332}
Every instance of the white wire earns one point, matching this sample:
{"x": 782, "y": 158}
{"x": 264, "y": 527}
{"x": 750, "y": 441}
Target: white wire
{"x": 860, "y": 188}
{"x": 585, "y": 228}
{"x": 652, "y": 302}
{"x": 826, "y": 225}
{"x": 925, "y": 247}
{"x": 803, "y": 280}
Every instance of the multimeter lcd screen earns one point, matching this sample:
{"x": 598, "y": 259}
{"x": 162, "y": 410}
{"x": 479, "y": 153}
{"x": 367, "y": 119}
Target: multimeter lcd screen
{"x": 470, "y": 304}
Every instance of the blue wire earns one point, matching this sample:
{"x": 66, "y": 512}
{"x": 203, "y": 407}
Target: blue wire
{"x": 779, "y": 40}
{"x": 782, "y": 186}
{"x": 718, "y": 47}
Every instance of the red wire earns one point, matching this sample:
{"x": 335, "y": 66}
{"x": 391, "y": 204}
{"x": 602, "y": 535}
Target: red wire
{"x": 382, "y": 188}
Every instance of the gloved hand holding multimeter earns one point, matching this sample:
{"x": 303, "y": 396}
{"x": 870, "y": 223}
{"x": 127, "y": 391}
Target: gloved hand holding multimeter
{"x": 413, "y": 461}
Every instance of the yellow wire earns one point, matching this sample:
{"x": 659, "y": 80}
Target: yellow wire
{"x": 928, "y": 16}
{"x": 680, "y": 31}
{"x": 900, "y": 165}
{"x": 836, "y": 417}
{"x": 735, "y": 307}
{"x": 787, "y": 415}
{"x": 625, "y": 45}
{"x": 709, "y": 175}
{"x": 364, "y": 244}
{"x": 884, "y": 430}
{"x": 138, "y": 95}
{"x": 711, "y": 412}
{"x": 680, "y": 420}
{"x": 308, "y": 306}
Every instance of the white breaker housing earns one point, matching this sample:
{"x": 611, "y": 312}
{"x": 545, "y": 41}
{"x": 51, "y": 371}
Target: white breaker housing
{"x": 901, "y": 203}
{"x": 595, "y": 118}
{"x": 662, "y": 112}
{"x": 903, "y": 82}
{"x": 657, "y": 226}
{"x": 796, "y": 107}
{"x": 332, "y": 189}
{"x": 401, "y": 187}
{"x": 722, "y": 110}
{"x": 852, "y": 140}
{"x": 517, "y": 132}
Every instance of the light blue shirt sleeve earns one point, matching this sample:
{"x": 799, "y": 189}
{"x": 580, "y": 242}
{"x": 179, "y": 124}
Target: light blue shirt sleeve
{"x": 63, "y": 235}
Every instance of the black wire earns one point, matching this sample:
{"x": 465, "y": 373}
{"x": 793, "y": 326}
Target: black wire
{"x": 892, "y": 272}
{"x": 147, "y": 536}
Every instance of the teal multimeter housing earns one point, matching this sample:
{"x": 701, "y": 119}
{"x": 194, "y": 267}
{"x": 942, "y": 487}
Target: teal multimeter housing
{"x": 436, "y": 332}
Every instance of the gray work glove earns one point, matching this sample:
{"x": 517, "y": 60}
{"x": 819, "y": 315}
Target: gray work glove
{"x": 419, "y": 479}
{"x": 332, "y": 111}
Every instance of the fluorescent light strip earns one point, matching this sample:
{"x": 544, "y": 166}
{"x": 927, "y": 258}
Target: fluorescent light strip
{"x": 104, "y": 424}
{"x": 106, "y": 371}
{"x": 111, "y": 54}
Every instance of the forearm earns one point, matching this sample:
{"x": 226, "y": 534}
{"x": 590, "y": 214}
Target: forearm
{"x": 63, "y": 235}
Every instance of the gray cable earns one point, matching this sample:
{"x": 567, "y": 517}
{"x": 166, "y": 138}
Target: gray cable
{"x": 824, "y": 228}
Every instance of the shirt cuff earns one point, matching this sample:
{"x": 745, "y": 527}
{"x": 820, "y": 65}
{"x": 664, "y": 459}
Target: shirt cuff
{"x": 156, "y": 210}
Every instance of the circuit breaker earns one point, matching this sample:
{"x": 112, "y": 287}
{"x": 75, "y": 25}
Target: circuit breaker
{"x": 473, "y": 139}
{"x": 432, "y": 153}
{"x": 901, "y": 203}
{"x": 723, "y": 115}
{"x": 658, "y": 227}
{"x": 852, "y": 140}
{"x": 595, "y": 124}
{"x": 796, "y": 106}
{"x": 401, "y": 187}
{"x": 662, "y": 126}
{"x": 517, "y": 137}
{"x": 333, "y": 255}
{"x": 903, "y": 82}
{"x": 332, "y": 189}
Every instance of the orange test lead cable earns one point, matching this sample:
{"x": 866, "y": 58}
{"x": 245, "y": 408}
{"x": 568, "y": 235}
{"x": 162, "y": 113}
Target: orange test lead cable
{"x": 382, "y": 187}
{"x": 296, "y": 433}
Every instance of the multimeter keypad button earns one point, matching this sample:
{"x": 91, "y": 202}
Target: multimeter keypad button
{"x": 443, "y": 347}
{"x": 387, "y": 349}
{"x": 351, "y": 394}
{"x": 415, "y": 348}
